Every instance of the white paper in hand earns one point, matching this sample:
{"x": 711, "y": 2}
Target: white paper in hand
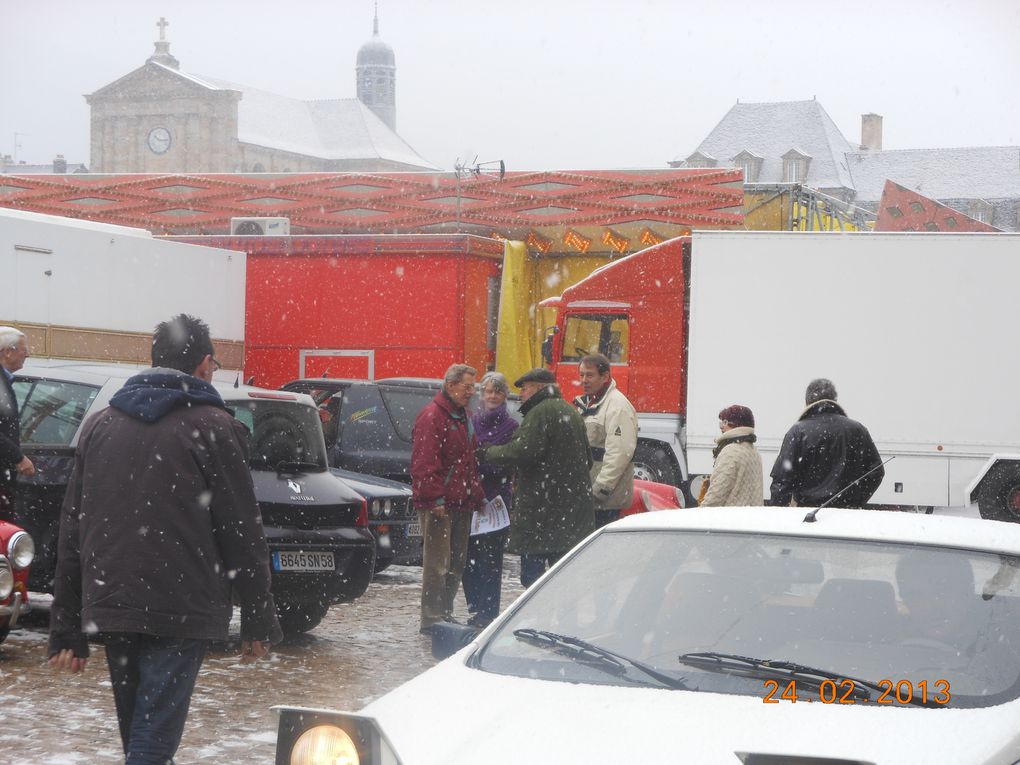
{"x": 493, "y": 517}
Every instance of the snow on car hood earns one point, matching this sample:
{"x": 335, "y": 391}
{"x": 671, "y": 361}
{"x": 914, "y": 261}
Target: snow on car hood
{"x": 455, "y": 715}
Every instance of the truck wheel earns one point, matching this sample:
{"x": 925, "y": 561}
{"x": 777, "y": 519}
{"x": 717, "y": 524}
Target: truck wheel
{"x": 999, "y": 496}
{"x": 653, "y": 464}
{"x": 300, "y": 615}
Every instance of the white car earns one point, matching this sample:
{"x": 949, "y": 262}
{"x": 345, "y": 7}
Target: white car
{"x": 724, "y": 635}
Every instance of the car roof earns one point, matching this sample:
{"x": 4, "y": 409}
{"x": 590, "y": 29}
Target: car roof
{"x": 836, "y": 523}
{"x": 98, "y": 373}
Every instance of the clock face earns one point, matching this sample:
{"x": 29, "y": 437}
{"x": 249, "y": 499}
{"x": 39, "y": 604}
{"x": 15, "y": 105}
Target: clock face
{"x": 159, "y": 140}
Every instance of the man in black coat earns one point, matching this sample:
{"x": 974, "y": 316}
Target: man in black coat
{"x": 159, "y": 525}
{"x": 823, "y": 453}
{"x": 13, "y": 352}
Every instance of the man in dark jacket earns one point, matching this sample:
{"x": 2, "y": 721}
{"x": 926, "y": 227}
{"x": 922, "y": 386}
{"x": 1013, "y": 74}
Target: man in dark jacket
{"x": 158, "y": 523}
{"x": 552, "y": 505}
{"x": 13, "y": 352}
{"x": 823, "y": 453}
{"x": 446, "y": 489}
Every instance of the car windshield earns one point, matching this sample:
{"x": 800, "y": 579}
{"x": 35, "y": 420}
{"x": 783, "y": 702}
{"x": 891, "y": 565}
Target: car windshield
{"x": 698, "y": 606}
{"x": 282, "y": 433}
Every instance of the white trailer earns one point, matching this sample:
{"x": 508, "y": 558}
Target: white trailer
{"x": 96, "y": 290}
{"x": 917, "y": 331}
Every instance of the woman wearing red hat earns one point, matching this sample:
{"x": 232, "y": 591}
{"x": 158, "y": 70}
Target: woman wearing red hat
{"x": 737, "y": 475}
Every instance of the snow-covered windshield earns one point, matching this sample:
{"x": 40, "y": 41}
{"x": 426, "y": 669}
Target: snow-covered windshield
{"x": 916, "y": 621}
{"x": 281, "y": 432}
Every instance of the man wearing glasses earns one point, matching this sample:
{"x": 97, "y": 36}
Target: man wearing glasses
{"x": 446, "y": 489}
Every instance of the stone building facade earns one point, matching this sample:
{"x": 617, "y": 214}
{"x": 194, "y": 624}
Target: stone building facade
{"x": 159, "y": 119}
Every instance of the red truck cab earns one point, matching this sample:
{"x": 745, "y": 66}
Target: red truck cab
{"x": 598, "y": 314}
{"x": 633, "y": 311}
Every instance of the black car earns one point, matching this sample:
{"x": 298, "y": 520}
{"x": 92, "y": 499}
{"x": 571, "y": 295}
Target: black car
{"x": 390, "y": 518}
{"x": 316, "y": 526}
{"x": 367, "y": 423}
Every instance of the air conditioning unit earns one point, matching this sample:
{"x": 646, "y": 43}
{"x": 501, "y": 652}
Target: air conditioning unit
{"x": 260, "y": 226}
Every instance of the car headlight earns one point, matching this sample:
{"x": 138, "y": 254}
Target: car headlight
{"x": 375, "y": 508}
{"x": 6, "y": 579}
{"x": 21, "y": 550}
{"x": 324, "y": 744}
{"x": 314, "y": 736}
{"x": 387, "y": 508}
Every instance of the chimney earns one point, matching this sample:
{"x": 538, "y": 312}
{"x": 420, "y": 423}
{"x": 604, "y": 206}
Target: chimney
{"x": 59, "y": 165}
{"x": 871, "y": 132}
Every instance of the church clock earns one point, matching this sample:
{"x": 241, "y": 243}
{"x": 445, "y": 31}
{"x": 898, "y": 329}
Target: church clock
{"x": 158, "y": 140}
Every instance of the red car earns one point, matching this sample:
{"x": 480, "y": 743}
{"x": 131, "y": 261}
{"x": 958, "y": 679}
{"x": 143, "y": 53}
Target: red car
{"x": 16, "y": 553}
{"x": 650, "y": 496}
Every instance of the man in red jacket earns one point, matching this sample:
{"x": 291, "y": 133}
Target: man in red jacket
{"x": 446, "y": 489}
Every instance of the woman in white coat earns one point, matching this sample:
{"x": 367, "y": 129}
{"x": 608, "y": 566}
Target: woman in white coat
{"x": 737, "y": 475}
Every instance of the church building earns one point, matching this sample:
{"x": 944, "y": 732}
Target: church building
{"x": 159, "y": 119}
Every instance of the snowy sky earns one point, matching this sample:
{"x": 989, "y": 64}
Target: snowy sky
{"x": 541, "y": 84}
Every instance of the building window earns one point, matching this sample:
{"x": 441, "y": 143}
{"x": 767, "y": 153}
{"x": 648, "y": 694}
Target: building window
{"x": 751, "y": 165}
{"x": 795, "y": 166}
{"x": 981, "y": 211}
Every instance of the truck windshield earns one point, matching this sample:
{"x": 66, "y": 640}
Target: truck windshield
{"x": 607, "y": 334}
{"x": 281, "y": 432}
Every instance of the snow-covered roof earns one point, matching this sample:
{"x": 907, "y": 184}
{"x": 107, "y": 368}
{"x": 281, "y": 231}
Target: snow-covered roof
{"x": 342, "y": 128}
{"x": 338, "y": 129}
{"x": 770, "y": 130}
{"x": 985, "y": 172}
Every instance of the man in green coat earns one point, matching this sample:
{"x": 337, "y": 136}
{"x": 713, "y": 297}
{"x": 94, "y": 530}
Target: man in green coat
{"x": 552, "y": 505}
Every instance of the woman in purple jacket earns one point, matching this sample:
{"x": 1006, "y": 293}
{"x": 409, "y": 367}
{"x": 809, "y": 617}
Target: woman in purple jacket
{"x": 483, "y": 573}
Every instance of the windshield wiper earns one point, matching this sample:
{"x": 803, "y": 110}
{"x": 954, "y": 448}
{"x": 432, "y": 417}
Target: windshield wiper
{"x": 595, "y": 656}
{"x": 299, "y": 467}
{"x": 773, "y": 669}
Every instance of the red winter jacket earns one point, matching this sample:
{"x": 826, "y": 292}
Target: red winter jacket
{"x": 443, "y": 467}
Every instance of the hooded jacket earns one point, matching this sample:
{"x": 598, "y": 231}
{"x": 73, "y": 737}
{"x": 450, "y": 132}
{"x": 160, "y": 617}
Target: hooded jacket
{"x": 611, "y": 424}
{"x": 736, "y": 476}
{"x": 552, "y": 508}
{"x": 825, "y": 451}
{"x": 160, "y": 521}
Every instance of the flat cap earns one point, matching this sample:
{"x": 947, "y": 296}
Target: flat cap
{"x": 536, "y": 375}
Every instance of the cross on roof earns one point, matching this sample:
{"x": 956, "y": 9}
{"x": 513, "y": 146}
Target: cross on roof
{"x": 162, "y": 24}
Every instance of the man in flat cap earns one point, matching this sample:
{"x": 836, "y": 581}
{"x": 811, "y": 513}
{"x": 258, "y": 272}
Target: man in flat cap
{"x": 552, "y": 504}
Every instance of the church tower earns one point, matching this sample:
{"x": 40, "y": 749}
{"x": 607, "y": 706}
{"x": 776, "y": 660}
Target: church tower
{"x": 376, "y": 73}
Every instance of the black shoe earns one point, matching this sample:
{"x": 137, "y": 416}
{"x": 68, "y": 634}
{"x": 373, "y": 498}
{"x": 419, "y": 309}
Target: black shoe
{"x": 479, "y": 621}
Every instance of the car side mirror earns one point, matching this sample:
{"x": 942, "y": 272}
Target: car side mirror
{"x": 448, "y": 638}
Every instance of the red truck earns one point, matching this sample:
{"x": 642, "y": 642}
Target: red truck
{"x": 909, "y": 326}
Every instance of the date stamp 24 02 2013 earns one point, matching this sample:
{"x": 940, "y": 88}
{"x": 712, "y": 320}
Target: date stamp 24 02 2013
{"x": 846, "y": 691}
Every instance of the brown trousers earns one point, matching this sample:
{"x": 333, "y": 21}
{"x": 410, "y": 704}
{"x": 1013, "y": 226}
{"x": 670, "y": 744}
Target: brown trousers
{"x": 445, "y": 540}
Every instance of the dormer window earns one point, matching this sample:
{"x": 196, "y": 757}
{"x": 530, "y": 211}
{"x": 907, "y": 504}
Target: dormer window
{"x": 750, "y": 164}
{"x": 697, "y": 159}
{"x": 795, "y": 166}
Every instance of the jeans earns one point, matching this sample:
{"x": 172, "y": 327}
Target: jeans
{"x": 535, "y": 564}
{"x": 483, "y": 574}
{"x": 153, "y": 678}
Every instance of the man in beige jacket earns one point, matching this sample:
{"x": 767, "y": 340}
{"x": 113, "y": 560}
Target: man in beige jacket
{"x": 611, "y": 424}
{"x": 737, "y": 475}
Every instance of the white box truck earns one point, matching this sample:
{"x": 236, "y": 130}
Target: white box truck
{"x": 916, "y": 330}
{"x": 88, "y": 290}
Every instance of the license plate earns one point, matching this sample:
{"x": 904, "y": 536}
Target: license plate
{"x": 286, "y": 560}
{"x": 414, "y": 529}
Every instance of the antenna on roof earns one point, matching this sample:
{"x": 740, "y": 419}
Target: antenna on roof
{"x": 477, "y": 169}
{"x": 237, "y": 380}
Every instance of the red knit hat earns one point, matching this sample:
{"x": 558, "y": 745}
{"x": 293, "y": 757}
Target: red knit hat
{"x": 738, "y": 416}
